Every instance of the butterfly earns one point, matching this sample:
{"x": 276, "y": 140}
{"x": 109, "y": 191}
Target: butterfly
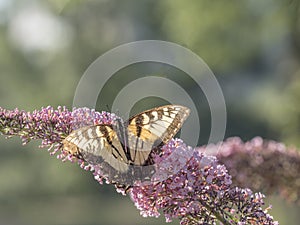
{"x": 124, "y": 150}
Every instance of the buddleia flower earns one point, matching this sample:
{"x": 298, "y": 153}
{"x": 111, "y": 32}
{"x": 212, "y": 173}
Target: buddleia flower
{"x": 188, "y": 185}
{"x": 262, "y": 165}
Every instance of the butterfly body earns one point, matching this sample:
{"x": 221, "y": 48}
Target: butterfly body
{"x": 124, "y": 150}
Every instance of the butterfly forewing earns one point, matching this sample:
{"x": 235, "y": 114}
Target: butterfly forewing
{"x": 122, "y": 149}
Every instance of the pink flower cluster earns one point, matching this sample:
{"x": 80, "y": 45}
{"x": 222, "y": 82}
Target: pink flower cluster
{"x": 46, "y": 124}
{"x": 199, "y": 192}
{"x": 187, "y": 184}
{"x": 261, "y": 165}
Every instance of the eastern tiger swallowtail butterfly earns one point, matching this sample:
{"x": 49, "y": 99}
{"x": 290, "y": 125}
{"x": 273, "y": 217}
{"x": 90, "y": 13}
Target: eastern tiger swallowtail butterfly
{"x": 124, "y": 150}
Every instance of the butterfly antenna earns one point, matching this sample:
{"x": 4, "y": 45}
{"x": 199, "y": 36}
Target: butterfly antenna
{"x": 107, "y": 107}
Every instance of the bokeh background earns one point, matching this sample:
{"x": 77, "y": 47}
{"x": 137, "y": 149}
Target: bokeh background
{"x": 253, "y": 48}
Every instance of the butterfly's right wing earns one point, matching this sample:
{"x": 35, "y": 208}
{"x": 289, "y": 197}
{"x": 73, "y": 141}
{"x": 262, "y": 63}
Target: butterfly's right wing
{"x": 150, "y": 129}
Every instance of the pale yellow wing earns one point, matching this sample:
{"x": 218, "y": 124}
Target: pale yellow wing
{"x": 97, "y": 144}
{"x": 150, "y": 129}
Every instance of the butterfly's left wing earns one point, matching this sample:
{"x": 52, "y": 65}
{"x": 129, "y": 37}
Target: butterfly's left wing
{"x": 100, "y": 146}
{"x": 152, "y": 128}
{"x": 97, "y": 145}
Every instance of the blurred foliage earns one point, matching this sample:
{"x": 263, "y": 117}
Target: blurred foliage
{"x": 253, "y": 47}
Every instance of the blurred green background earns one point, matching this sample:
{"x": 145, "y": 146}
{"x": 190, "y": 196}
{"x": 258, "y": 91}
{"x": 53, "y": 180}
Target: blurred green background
{"x": 253, "y": 48}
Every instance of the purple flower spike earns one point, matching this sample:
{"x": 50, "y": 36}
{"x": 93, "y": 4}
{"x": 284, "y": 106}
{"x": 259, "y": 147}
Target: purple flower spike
{"x": 46, "y": 124}
{"x": 266, "y": 166}
{"x": 200, "y": 193}
{"x": 186, "y": 185}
